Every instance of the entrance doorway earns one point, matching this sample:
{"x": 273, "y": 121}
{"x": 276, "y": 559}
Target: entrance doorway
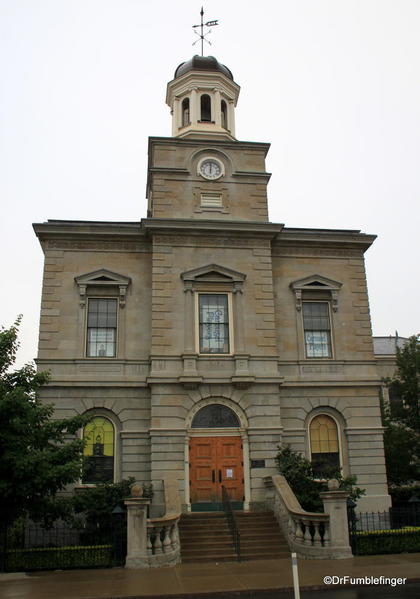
{"x": 216, "y": 461}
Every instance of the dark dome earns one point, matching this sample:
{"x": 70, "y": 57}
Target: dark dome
{"x": 202, "y": 63}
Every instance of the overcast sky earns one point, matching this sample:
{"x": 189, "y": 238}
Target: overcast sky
{"x": 333, "y": 85}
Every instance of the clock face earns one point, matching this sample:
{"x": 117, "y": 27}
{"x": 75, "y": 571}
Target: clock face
{"x": 210, "y": 169}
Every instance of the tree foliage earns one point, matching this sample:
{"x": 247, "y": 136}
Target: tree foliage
{"x": 401, "y": 419}
{"x": 298, "y": 472}
{"x": 39, "y": 455}
{"x": 94, "y": 505}
{"x": 405, "y": 385}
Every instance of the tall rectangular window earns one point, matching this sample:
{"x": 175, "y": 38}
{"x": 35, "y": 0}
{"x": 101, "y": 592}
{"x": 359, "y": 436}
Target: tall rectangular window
{"x": 102, "y": 328}
{"x": 213, "y": 323}
{"x": 317, "y": 329}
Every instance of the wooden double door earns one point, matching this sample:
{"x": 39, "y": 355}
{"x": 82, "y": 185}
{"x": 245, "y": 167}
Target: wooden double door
{"x": 216, "y": 461}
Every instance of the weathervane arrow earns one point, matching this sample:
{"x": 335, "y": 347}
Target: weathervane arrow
{"x": 203, "y": 35}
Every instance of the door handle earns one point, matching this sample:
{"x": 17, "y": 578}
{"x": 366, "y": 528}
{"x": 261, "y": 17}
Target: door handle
{"x": 220, "y": 476}
{"x": 213, "y": 478}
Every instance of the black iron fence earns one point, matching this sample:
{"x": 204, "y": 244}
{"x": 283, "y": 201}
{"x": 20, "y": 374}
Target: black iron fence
{"x": 233, "y": 525}
{"x": 29, "y": 546}
{"x": 396, "y": 530}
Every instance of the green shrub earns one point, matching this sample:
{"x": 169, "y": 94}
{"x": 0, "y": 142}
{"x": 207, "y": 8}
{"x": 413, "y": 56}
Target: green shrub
{"x": 298, "y": 472}
{"x": 403, "y": 540}
{"x": 401, "y": 495}
{"x": 52, "y": 558}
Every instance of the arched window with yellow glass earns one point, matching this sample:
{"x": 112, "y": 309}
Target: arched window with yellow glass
{"x": 325, "y": 448}
{"x": 98, "y": 452}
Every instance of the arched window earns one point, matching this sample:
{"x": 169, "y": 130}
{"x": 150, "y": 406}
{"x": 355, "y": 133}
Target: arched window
{"x": 223, "y": 109}
{"x": 98, "y": 451}
{"x": 205, "y": 104}
{"x": 215, "y": 416}
{"x": 325, "y": 453}
{"x": 185, "y": 112}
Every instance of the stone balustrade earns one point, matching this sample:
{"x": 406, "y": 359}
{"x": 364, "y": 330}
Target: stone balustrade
{"x": 309, "y": 534}
{"x": 153, "y": 542}
{"x": 309, "y": 528}
{"x": 163, "y": 546}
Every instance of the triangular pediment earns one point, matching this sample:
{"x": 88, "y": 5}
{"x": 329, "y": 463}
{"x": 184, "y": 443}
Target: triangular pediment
{"x": 102, "y": 277}
{"x": 213, "y": 273}
{"x": 316, "y": 282}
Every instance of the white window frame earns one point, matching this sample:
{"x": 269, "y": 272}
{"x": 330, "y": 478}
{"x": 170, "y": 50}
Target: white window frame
{"x": 314, "y": 301}
{"x": 197, "y": 321}
{"x": 93, "y": 297}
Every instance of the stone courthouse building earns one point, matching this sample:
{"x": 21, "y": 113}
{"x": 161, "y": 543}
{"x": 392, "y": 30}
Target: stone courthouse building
{"x": 204, "y": 335}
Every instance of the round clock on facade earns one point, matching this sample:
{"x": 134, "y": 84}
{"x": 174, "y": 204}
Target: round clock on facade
{"x": 210, "y": 168}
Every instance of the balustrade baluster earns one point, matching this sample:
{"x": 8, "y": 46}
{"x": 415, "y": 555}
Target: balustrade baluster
{"x": 307, "y": 538}
{"x": 298, "y": 530}
{"x": 158, "y": 542}
{"x": 326, "y": 535}
{"x": 149, "y": 541}
{"x": 166, "y": 545}
{"x": 174, "y": 536}
{"x": 317, "y": 535}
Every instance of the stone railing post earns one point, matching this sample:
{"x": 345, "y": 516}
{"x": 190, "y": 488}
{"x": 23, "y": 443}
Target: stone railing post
{"x": 136, "y": 529}
{"x": 335, "y": 504}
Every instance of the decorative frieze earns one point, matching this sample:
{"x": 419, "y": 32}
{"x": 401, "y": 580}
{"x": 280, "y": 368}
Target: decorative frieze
{"x": 112, "y": 246}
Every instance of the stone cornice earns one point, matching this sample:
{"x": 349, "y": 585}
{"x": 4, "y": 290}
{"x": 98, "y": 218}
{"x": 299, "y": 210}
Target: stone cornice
{"x": 208, "y": 143}
{"x": 87, "y": 229}
{"x": 199, "y": 226}
{"x": 351, "y": 238}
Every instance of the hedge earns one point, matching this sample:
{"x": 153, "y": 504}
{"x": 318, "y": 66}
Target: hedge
{"x": 403, "y": 540}
{"x": 52, "y": 558}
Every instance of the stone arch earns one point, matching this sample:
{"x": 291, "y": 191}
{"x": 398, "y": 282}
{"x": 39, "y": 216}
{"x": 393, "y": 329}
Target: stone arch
{"x": 195, "y": 156}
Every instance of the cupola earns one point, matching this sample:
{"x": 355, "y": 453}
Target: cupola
{"x": 202, "y": 97}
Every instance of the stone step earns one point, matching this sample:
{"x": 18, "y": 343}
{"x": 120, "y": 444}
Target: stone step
{"x": 201, "y": 559}
{"x": 206, "y": 537}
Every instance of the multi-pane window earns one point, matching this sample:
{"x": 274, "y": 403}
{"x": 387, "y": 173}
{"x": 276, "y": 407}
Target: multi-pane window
{"x": 325, "y": 454}
{"x": 98, "y": 451}
{"x": 317, "y": 329}
{"x": 102, "y": 328}
{"x": 213, "y": 323}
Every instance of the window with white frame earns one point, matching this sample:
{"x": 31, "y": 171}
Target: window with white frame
{"x": 213, "y": 323}
{"x": 101, "y": 339}
{"x": 317, "y": 329}
{"x": 325, "y": 450}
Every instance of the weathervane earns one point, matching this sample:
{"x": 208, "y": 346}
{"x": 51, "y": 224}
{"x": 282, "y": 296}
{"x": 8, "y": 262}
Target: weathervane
{"x": 203, "y": 35}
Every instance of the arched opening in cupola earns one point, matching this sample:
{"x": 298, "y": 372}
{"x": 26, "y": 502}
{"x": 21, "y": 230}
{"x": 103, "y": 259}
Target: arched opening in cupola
{"x": 205, "y": 105}
{"x": 223, "y": 109}
{"x": 185, "y": 112}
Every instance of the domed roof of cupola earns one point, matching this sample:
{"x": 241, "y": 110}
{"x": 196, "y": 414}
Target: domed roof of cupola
{"x": 202, "y": 63}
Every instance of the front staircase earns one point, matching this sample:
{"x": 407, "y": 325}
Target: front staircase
{"x": 205, "y": 537}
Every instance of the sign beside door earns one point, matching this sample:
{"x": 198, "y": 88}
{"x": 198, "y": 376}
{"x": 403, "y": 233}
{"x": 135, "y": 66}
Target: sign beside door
{"x": 216, "y": 461}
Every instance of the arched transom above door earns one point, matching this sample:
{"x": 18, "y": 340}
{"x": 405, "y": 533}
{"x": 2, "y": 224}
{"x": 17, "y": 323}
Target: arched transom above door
{"x": 216, "y": 413}
{"x": 215, "y": 416}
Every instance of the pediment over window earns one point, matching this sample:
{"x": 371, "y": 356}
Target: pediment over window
{"x": 213, "y": 273}
{"x": 102, "y": 278}
{"x": 316, "y": 283}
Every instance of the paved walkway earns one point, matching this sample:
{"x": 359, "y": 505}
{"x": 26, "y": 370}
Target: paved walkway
{"x": 197, "y": 581}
